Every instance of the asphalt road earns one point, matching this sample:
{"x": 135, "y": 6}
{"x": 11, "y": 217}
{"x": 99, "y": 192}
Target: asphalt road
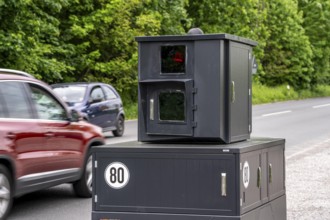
{"x": 304, "y": 124}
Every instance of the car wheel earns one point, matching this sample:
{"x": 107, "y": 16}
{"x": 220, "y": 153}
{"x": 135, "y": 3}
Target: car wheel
{"x": 83, "y": 187}
{"x": 120, "y": 127}
{"x": 6, "y": 191}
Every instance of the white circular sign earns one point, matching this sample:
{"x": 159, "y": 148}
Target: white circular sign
{"x": 116, "y": 175}
{"x": 246, "y": 174}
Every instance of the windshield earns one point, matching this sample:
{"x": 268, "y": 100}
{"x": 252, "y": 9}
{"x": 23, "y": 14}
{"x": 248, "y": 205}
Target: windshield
{"x": 72, "y": 93}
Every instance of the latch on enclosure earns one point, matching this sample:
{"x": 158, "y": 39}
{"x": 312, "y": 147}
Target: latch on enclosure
{"x": 223, "y": 184}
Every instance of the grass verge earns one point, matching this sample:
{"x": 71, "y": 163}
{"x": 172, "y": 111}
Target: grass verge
{"x": 262, "y": 94}
{"x": 131, "y": 110}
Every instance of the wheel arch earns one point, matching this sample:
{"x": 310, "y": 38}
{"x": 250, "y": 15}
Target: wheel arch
{"x": 10, "y": 165}
{"x": 82, "y": 186}
{"x": 95, "y": 142}
{"x": 92, "y": 143}
{"x": 121, "y": 114}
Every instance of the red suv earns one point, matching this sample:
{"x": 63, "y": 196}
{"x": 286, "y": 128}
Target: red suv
{"x": 42, "y": 143}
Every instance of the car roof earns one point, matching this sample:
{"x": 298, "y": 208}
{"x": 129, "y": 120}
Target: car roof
{"x": 78, "y": 83}
{"x": 11, "y": 77}
{"x": 16, "y": 73}
{"x": 7, "y": 74}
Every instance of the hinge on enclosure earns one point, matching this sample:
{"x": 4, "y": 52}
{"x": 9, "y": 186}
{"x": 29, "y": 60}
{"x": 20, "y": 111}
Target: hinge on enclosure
{"x": 95, "y": 164}
{"x": 194, "y": 90}
{"x": 249, "y": 92}
{"x": 194, "y": 107}
{"x": 194, "y": 124}
{"x": 241, "y": 201}
{"x": 95, "y": 198}
{"x": 249, "y": 128}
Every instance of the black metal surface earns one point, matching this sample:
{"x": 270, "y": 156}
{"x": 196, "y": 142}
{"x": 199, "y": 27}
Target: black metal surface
{"x": 185, "y": 179}
{"x": 223, "y": 36}
{"x": 215, "y": 80}
{"x": 255, "y": 143}
{"x": 274, "y": 210}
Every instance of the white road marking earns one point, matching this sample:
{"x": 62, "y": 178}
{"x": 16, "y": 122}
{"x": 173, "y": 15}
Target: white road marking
{"x": 323, "y": 143}
{"x": 321, "y": 106}
{"x": 276, "y": 113}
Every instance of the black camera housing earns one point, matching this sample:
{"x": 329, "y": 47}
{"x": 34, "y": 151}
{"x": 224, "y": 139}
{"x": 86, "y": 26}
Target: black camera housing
{"x": 195, "y": 88}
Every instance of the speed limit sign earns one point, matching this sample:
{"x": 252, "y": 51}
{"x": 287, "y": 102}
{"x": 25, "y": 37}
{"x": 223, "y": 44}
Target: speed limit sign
{"x": 116, "y": 175}
{"x": 246, "y": 174}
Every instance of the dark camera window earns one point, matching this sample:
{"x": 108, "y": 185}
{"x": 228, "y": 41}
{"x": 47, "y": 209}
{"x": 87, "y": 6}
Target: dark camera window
{"x": 172, "y": 106}
{"x": 173, "y": 59}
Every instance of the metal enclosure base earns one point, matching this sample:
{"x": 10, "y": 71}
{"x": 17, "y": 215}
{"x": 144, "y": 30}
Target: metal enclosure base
{"x": 139, "y": 181}
{"x": 274, "y": 210}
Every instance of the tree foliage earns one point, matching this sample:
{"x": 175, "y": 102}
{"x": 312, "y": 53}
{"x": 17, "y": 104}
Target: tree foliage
{"x": 173, "y": 16}
{"x": 94, "y": 40}
{"x": 243, "y": 18}
{"x": 284, "y": 51}
{"x": 316, "y": 22}
{"x": 100, "y": 35}
{"x": 288, "y": 54}
{"x": 29, "y": 37}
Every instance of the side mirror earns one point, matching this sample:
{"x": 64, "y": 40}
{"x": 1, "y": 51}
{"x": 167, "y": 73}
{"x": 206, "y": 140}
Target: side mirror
{"x": 75, "y": 116}
{"x": 254, "y": 65}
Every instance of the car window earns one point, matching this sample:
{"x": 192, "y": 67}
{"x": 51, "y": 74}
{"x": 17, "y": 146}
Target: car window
{"x": 97, "y": 94}
{"x": 71, "y": 93}
{"x": 46, "y": 105}
{"x": 15, "y": 100}
{"x": 109, "y": 93}
{"x": 2, "y": 106}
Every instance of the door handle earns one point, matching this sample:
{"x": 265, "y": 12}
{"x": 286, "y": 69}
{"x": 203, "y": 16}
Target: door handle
{"x": 233, "y": 94}
{"x": 11, "y": 135}
{"x": 259, "y": 178}
{"x": 270, "y": 167}
{"x": 49, "y": 134}
{"x": 223, "y": 184}
{"x": 151, "y": 110}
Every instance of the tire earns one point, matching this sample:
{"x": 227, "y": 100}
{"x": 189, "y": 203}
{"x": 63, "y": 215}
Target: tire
{"x": 6, "y": 192}
{"x": 120, "y": 127}
{"x": 83, "y": 187}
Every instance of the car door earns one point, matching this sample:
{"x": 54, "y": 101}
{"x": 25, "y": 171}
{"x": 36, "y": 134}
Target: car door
{"x": 114, "y": 105}
{"x": 23, "y": 137}
{"x": 65, "y": 146}
{"x": 98, "y": 109}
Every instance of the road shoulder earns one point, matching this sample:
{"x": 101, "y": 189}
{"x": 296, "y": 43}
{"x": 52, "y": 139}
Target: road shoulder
{"x": 308, "y": 183}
